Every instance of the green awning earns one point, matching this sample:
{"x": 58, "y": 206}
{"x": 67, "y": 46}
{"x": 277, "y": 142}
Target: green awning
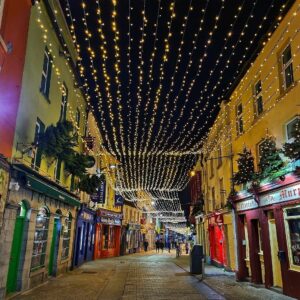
{"x": 51, "y": 191}
{"x": 40, "y": 184}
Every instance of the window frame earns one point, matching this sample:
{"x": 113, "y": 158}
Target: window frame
{"x": 68, "y": 222}
{"x": 43, "y": 242}
{"x": 45, "y": 84}
{"x": 285, "y": 66}
{"x": 64, "y": 102}
{"x": 286, "y": 218}
{"x": 289, "y": 140}
{"x": 257, "y": 94}
{"x": 239, "y": 119}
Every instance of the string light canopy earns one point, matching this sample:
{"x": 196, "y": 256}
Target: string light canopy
{"x": 156, "y": 73}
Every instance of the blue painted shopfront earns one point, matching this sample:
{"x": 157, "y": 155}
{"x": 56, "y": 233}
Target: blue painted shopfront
{"x": 85, "y": 237}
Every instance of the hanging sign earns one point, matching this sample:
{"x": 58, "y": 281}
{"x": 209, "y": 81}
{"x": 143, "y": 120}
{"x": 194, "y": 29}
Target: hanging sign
{"x": 99, "y": 197}
{"x": 119, "y": 200}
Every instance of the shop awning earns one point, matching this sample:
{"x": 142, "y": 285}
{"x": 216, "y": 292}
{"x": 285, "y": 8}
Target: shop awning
{"x": 37, "y": 184}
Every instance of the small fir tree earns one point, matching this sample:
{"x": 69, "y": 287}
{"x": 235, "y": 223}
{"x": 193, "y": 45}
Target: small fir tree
{"x": 292, "y": 149}
{"x": 270, "y": 160}
{"x": 245, "y": 168}
{"x": 90, "y": 183}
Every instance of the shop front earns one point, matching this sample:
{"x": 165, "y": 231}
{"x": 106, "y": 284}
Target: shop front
{"x": 268, "y": 229}
{"x": 85, "y": 236}
{"x": 134, "y": 238}
{"x": 108, "y": 234}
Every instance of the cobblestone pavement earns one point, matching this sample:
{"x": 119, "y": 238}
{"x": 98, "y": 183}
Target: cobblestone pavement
{"x": 225, "y": 284}
{"x": 147, "y": 276}
{"x": 132, "y": 277}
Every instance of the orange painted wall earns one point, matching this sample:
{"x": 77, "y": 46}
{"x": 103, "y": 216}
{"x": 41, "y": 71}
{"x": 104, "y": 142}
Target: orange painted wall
{"x": 14, "y": 29}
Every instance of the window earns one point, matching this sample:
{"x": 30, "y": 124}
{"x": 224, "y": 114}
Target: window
{"x": 219, "y": 156}
{"x": 46, "y": 73}
{"x": 64, "y": 101}
{"x": 111, "y": 244}
{"x": 66, "y": 237}
{"x": 290, "y": 128}
{"x": 57, "y": 170}
{"x": 260, "y": 148}
{"x": 77, "y": 120}
{"x": 40, "y": 239}
{"x": 239, "y": 119}
{"x": 213, "y": 196}
{"x": 39, "y": 129}
{"x": 292, "y": 225}
{"x": 222, "y": 191}
{"x": 258, "y": 99}
{"x": 211, "y": 167}
{"x": 287, "y": 67}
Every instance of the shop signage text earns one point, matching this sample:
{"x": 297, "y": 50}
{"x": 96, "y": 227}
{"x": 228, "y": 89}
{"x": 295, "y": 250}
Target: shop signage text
{"x": 282, "y": 195}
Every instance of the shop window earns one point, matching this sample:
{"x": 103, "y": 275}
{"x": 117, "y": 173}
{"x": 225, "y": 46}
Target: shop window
{"x": 258, "y": 100}
{"x": 292, "y": 224}
{"x": 66, "y": 237}
{"x": 40, "y": 239}
{"x": 111, "y": 244}
{"x": 290, "y": 129}
{"x": 239, "y": 119}
{"x": 46, "y": 73}
{"x": 105, "y": 237}
{"x": 81, "y": 238}
{"x": 287, "y": 67}
{"x": 259, "y": 239}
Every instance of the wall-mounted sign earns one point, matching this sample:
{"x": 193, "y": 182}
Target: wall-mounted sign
{"x": 281, "y": 195}
{"x": 119, "y": 200}
{"x": 86, "y": 216}
{"x": 99, "y": 197}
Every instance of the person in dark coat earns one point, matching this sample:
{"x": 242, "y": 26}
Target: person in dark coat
{"x": 146, "y": 245}
{"x": 157, "y": 245}
{"x": 162, "y": 245}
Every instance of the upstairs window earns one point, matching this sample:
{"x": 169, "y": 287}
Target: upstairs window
{"x": 39, "y": 129}
{"x": 64, "y": 101}
{"x": 219, "y": 156}
{"x": 211, "y": 167}
{"x": 290, "y": 129}
{"x": 239, "y": 119}
{"x": 46, "y": 73}
{"x": 258, "y": 98}
{"x": 77, "y": 120}
{"x": 1, "y": 10}
{"x": 287, "y": 67}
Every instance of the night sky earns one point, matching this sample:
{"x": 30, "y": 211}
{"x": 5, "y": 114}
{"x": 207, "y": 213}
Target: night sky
{"x": 175, "y": 65}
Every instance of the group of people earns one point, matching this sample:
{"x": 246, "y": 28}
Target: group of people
{"x": 159, "y": 245}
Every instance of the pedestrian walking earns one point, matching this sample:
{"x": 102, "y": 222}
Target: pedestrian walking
{"x": 178, "y": 249}
{"x": 169, "y": 246}
{"x": 187, "y": 248}
{"x": 162, "y": 245}
{"x": 157, "y": 246}
{"x": 146, "y": 245}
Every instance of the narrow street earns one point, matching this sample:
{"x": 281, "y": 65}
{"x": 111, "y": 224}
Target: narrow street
{"x": 145, "y": 276}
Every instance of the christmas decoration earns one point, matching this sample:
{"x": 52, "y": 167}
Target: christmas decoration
{"x": 292, "y": 149}
{"x": 90, "y": 183}
{"x": 57, "y": 140}
{"x": 246, "y": 171}
{"x": 77, "y": 163}
{"x": 270, "y": 161}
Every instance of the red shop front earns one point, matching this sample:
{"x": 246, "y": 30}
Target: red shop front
{"x": 268, "y": 228}
{"x": 107, "y": 234}
{"x": 216, "y": 239}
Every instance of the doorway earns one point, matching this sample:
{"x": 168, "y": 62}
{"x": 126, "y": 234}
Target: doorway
{"x": 17, "y": 253}
{"x": 55, "y": 245}
{"x": 277, "y": 276}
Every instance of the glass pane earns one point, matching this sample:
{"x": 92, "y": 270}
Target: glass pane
{"x": 259, "y": 105}
{"x": 291, "y": 128}
{"x": 257, "y": 88}
{"x": 293, "y": 212}
{"x": 294, "y": 226}
{"x": 289, "y": 78}
{"x": 286, "y": 55}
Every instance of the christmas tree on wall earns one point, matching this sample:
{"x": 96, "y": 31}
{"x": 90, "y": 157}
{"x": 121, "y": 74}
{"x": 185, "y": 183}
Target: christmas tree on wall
{"x": 270, "y": 161}
{"x": 292, "y": 149}
{"x": 245, "y": 168}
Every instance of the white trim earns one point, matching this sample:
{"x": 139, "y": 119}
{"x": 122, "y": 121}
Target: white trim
{"x": 287, "y": 230}
{"x": 285, "y": 66}
{"x": 1, "y": 10}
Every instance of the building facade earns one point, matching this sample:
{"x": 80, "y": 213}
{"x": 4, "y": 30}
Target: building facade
{"x": 263, "y": 214}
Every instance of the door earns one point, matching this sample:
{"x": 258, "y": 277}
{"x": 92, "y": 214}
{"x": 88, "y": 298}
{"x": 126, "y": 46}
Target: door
{"x": 277, "y": 277}
{"x": 15, "y": 255}
{"x": 54, "y": 247}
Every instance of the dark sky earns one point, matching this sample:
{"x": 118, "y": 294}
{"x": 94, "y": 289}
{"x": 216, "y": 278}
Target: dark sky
{"x": 171, "y": 107}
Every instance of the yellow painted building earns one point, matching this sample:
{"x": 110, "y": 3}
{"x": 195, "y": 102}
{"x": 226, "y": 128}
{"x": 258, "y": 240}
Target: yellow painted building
{"x": 264, "y": 104}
